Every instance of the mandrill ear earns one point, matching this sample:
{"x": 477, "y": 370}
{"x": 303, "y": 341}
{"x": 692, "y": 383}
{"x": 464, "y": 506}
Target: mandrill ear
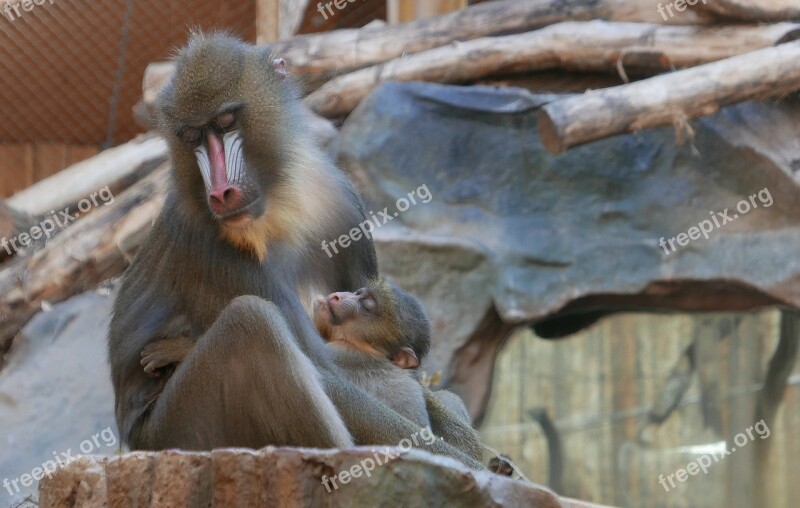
{"x": 280, "y": 66}
{"x": 266, "y": 57}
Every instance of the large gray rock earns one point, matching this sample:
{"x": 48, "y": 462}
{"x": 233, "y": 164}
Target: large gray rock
{"x": 55, "y": 393}
{"x": 514, "y": 235}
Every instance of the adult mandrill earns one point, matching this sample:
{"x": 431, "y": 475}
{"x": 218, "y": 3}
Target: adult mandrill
{"x": 251, "y": 200}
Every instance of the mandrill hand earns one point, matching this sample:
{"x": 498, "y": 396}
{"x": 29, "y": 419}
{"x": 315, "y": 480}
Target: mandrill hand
{"x": 161, "y": 353}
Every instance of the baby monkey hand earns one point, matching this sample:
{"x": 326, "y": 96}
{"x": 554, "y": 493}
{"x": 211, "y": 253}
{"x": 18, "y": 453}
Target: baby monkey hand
{"x": 161, "y": 353}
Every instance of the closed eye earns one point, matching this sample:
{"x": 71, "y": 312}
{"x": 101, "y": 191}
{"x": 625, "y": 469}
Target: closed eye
{"x": 190, "y": 135}
{"x": 225, "y": 121}
{"x": 369, "y": 303}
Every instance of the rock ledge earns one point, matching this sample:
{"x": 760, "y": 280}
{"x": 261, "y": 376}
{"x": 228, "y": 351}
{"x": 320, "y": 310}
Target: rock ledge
{"x": 285, "y": 477}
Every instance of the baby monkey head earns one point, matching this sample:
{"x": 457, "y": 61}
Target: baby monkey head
{"x": 380, "y": 319}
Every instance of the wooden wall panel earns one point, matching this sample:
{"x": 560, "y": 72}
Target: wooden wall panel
{"x": 16, "y": 167}
{"x": 77, "y": 153}
{"x": 22, "y": 164}
{"x": 48, "y": 158}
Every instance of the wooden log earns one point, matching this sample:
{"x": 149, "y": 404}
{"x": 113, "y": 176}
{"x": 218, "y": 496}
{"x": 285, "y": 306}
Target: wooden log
{"x": 401, "y": 11}
{"x": 597, "y": 46}
{"x": 156, "y": 77}
{"x": 292, "y": 14}
{"x": 316, "y": 58}
{"x": 670, "y": 98}
{"x": 753, "y": 10}
{"x": 90, "y": 251}
{"x": 12, "y": 223}
{"x": 118, "y": 168}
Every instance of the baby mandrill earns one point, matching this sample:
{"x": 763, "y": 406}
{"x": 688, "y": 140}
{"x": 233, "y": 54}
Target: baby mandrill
{"x": 379, "y": 335}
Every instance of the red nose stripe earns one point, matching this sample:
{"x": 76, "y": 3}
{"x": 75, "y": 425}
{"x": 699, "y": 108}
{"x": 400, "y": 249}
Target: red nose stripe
{"x": 216, "y": 156}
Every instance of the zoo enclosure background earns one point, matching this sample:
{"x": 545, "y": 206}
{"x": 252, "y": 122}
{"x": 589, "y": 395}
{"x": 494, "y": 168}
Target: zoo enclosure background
{"x": 71, "y": 72}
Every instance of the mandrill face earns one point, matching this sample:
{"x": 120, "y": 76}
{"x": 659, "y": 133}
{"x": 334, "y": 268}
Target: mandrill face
{"x": 225, "y": 115}
{"x": 233, "y": 196}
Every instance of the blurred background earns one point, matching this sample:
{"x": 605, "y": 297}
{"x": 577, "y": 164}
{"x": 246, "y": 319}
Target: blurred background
{"x": 663, "y": 359}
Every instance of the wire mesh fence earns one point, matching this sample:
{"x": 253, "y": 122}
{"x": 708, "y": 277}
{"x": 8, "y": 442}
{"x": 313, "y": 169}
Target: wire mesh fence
{"x": 71, "y": 72}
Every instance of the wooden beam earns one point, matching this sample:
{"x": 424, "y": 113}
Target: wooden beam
{"x": 670, "y": 99}
{"x": 268, "y": 21}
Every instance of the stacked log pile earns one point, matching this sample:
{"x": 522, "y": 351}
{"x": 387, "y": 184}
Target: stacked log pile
{"x": 670, "y": 69}
{"x": 341, "y": 68}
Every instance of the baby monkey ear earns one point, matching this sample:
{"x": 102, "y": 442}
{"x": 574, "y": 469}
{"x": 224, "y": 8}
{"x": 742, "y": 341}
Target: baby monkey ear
{"x": 405, "y": 358}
